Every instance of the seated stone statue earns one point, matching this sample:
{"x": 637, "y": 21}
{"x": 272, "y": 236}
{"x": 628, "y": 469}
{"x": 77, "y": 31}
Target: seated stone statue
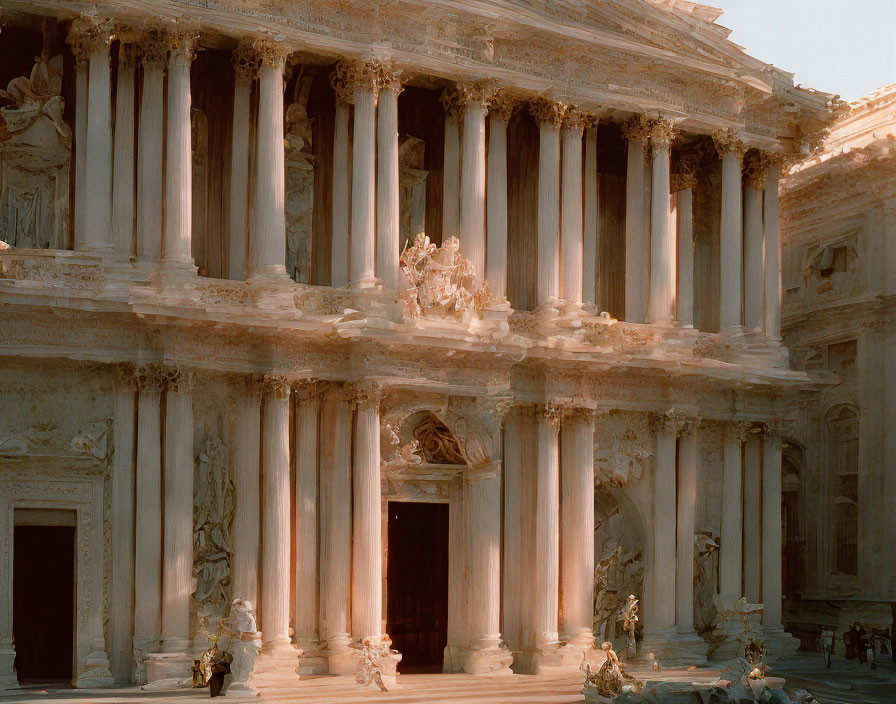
{"x": 611, "y": 680}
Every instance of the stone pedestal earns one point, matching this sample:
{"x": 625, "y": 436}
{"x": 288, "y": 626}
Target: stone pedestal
{"x": 167, "y": 671}
{"x": 277, "y": 667}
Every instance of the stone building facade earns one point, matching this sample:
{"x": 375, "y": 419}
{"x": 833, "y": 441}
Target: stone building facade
{"x": 278, "y": 271}
{"x": 839, "y": 218}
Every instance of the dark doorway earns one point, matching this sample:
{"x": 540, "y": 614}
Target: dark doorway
{"x": 417, "y": 574}
{"x": 44, "y": 601}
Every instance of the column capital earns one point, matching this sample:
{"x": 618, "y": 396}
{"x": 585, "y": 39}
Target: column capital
{"x": 738, "y": 430}
{"x": 727, "y": 140}
{"x": 479, "y": 93}
{"x": 364, "y": 394}
{"x": 671, "y": 421}
{"x": 450, "y": 100}
{"x": 772, "y": 430}
{"x": 245, "y": 61}
{"x": 274, "y": 386}
{"x": 181, "y": 43}
{"x": 575, "y": 120}
{"x": 127, "y": 55}
{"x": 552, "y": 412}
{"x": 637, "y": 128}
{"x": 149, "y": 378}
{"x": 271, "y": 53}
{"x": 126, "y": 376}
{"x": 588, "y": 416}
{"x": 90, "y": 35}
{"x": 686, "y": 178}
{"x": 153, "y": 48}
{"x": 350, "y": 75}
{"x": 548, "y": 113}
{"x": 309, "y": 391}
{"x": 177, "y": 379}
{"x": 662, "y": 131}
{"x": 504, "y": 104}
{"x": 754, "y": 170}
{"x": 389, "y": 78}
{"x": 498, "y": 406}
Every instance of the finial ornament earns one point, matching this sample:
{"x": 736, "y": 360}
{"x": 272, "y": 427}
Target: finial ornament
{"x": 727, "y": 140}
{"x": 548, "y": 113}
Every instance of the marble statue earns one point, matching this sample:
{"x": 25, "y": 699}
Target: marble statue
{"x": 35, "y": 154}
{"x": 630, "y": 618}
{"x": 412, "y": 188}
{"x": 827, "y": 646}
{"x": 370, "y": 668}
{"x": 299, "y": 183}
{"x": 244, "y": 644}
{"x": 705, "y": 578}
{"x": 610, "y": 680}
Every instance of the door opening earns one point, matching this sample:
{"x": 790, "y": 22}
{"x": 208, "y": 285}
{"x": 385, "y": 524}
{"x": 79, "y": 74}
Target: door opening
{"x": 417, "y": 581}
{"x": 44, "y": 601}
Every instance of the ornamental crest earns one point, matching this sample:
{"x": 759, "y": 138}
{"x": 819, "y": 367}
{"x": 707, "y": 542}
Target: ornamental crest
{"x": 443, "y": 282}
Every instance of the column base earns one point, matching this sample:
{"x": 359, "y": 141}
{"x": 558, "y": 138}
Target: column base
{"x": 165, "y": 671}
{"x": 8, "y": 677}
{"x": 488, "y": 656}
{"x": 778, "y": 643}
{"x": 312, "y": 661}
{"x": 277, "y": 666}
{"x": 143, "y": 645}
{"x": 103, "y": 249}
{"x": 737, "y": 624}
{"x": 673, "y": 647}
{"x": 553, "y": 656}
{"x": 342, "y": 659}
{"x": 365, "y": 283}
{"x": 270, "y": 271}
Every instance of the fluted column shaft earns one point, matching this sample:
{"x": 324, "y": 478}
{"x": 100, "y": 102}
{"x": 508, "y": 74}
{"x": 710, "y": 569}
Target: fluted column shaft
{"x": 590, "y": 236}
{"x": 337, "y": 473}
{"x": 148, "y": 516}
{"x": 176, "y": 244}
{"x": 684, "y": 206}
{"x": 549, "y": 116}
{"x": 687, "y": 503}
{"x": 177, "y": 570}
{"x": 247, "y": 484}
{"x": 98, "y": 171}
{"x": 752, "y": 532}
{"x": 79, "y": 240}
{"x": 244, "y": 70}
{"x": 475, "y": 99}
{"x": 754, "y": 275}
{"x": 363, "y": 231}
{"x": 367, "y": 544}
{"x": 577, "y": 529}
{"x": 661, "y": 298}
{"x": 771, "y": 529}
{"x": 267, "y": 238}
{"x": 123, "y": 213}
{"x": 451, "y": 168}
{"x": 571, "y": 233}
{"x": 305, "y": 622}
{"x": 275, "y": 522}
{"x": 339, "y": 252}
{"x": 547, "y": 527}
{"x": 122, "y": 592}
{"x": 496, "y": 201}
{"x": 731, "y": 545}
{"x": 387, "y": 230}
{"x": 732, "y": 152}
{"x": 664, "y": 521}
{"x": 150, "y": 140}
{"x": 513, "y": 516}
{"x": 772, "y": 252}
{"x": 636, "y": 232}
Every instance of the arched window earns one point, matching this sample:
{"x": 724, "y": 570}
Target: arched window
{"x": 843, "y": 447}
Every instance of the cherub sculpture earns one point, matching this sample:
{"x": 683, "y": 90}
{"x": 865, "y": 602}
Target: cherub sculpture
{"x": 611, "y": 680}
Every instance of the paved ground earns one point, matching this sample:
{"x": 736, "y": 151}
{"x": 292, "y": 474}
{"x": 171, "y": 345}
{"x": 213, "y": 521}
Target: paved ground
{"x": 845, "y": 683}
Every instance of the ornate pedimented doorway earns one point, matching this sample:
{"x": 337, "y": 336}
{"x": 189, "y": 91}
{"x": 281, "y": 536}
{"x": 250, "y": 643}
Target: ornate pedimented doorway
{"x": 417, "y": 575}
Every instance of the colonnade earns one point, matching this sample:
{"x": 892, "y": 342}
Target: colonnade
{"x": 126, "y": 218}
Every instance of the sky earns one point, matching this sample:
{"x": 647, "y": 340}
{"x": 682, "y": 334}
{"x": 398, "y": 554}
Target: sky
{"x": 847, "y": 47}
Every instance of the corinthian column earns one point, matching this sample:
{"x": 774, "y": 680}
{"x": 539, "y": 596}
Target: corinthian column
{"x": 247, "y": 483}
{"x": 772, "y": 252}
{"x": 637, "y": 247}
{"x": 732, "y": 151}
{"x": 245, "y": 69}
{"x": 153, "y": 53}
{"x": 79, "y": 51}
{"x": 364, "y": 78}
{"x": 123, "y": 181}
{"x": 121, "y": 602}
{"x": 336, "y": 470}
{"x": 577, "y": 529}
{"x": 177, "y": 244}
{"x": 387, "y": 235}
{"x": 661, "y": 300}
{"x": 571, "y": 234}
{"x": 590, "y": 238}
{"x": 93, "y": 38}
{"x": 474, "y": 99}
{"x": 549, "y": 115}
{"x": 731, "y": 540}
{"x": 275, "y": 521}
{"x": 177, "y": 568}
{"x": 683, "y": 185}
{"x": 451, "y": 166}
{"x": 496, "y": 196}
{"x": 267, "y": 237}
{"x": 340, "y": 247}
{"x": 754, "y": 277}
{"x": 752, "y": 502}
{"x": 148, "y": 518}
